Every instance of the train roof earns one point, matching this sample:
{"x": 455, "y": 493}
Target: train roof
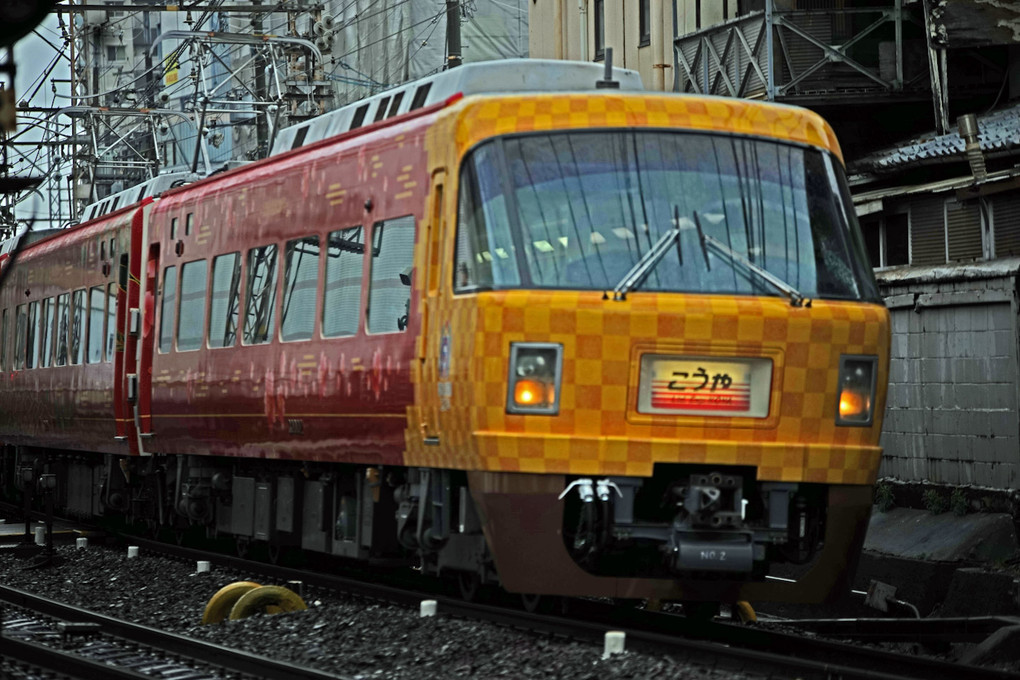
{"x": 151, "y": 187}
{"x": 507, "y": 75}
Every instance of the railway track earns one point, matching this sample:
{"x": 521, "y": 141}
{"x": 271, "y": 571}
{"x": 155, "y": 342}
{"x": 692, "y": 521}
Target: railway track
{"x": 744, "y": 647}
{"x": 84, "y": 644}
{"x": 716, "y": 644}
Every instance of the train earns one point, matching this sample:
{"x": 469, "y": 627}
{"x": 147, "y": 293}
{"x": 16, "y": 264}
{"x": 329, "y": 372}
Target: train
{"x": 520, "y": 324}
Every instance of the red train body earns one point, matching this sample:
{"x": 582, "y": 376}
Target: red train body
{"x": 325, "y": 350}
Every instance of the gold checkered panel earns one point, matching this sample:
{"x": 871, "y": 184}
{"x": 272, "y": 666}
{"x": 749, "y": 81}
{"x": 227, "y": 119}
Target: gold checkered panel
{"x": 483, "y": 117}
{"x": 598, "y": 430}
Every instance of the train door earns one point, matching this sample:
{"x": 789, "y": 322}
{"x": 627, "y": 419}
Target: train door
{"x": 430, "y": 340}
{"x": 143, "y": 405}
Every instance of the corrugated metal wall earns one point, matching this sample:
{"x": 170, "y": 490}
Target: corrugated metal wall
{"x": 952, "y": 412}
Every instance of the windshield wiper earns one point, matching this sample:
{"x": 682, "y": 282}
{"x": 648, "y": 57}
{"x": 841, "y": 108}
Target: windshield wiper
{"x": 639, "y": 272}
{"x": 796, "y": 298}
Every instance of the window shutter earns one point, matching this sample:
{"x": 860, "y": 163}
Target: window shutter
{"x": 1006, "y": 219}
{"x": 963, "y": 227}
{"x": 927, "y": 231}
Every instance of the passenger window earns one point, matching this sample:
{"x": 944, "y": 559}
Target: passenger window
{"x": 226, "y": 291}
{"x": 63, "y": 325}
{"x": 32, "y": 346}
{"x": 77, "y": 326}
{"x": 173, "y": 229}
{"x": 300, "y": 281}
{"x": 97, "y": 314}
{"x": 46, "y": 333}
{"x": 260, "y": 295}
{"x": 166, "y": 311}
{"x": 389, "y": 293}
{"x": 341, "y": 301}
{"x": 111, "y": 320}
{"x": 188, "y": 224}
{"x": 20, "y": 329}
{"x": 191, "y": 315}
{"x": 3, "y": 341}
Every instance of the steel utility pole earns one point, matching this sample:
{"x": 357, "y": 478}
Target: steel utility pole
{"x": 452, "y": 33}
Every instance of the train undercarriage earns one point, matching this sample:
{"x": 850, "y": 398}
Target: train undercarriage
{"x": 616, "y": 536}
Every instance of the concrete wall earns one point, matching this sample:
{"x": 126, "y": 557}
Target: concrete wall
{"x": 952, "y": 413}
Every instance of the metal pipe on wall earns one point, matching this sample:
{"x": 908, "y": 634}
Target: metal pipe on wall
{"x": 582, "y": 7}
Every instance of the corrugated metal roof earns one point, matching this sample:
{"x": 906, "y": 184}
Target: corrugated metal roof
{"x": 951, "y": 184}
{"x": 1006, "y": 266}
{"x": 997, "y": 131}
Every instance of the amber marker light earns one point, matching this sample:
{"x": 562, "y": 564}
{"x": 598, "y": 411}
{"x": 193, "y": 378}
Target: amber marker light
{"x": 856, "y": 390}
{"x": 530, "y": 393}
{"x": 534, "y": 378}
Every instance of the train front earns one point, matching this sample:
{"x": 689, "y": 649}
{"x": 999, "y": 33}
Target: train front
{"x": 662, "y": 356}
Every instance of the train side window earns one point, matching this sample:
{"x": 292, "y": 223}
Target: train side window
{"x": 46, "y": 316}
{"x": 191, "y": 315}
{"x": 260, "y": 295}
{"x": 389, "y": 292}
{"x": 3, "y": 340}
{"x": 300, "y": 282}
{"x": 166, "y": 310}
{"x": 359, "y": 116}
{"x": 341, "y": 300}
{"x": 226, "y": 292}
{"x": 97, "y": 315}
{"x": 32, "y": 339}
{"x": 102, "y": 249}
{"x": 173, "y": 229}
{"x": 111, "y": 320}
{"x": 20, "y": 330}
{"x": 77, "y": 326}
{"x": 420, "y": 95}
{"x": 63, "y": 326}
{"x": 189, "y": 222}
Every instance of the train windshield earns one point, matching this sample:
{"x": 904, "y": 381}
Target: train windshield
{"x": 578, "y": 210}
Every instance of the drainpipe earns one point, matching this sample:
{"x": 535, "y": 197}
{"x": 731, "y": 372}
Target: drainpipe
{"x": 582, "y": 6}
{"x": 658, "y": 64}
{"x": 968, "y": 127}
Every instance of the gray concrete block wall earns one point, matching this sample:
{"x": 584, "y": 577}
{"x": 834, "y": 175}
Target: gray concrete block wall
{"x": 952, "y": 407}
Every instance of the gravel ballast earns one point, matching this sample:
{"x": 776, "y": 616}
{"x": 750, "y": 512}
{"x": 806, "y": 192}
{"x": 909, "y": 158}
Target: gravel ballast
{"x": 345, "y": 635}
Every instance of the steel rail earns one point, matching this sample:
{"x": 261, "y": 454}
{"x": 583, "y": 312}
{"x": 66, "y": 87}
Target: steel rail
{"x": 67, "y": 664}
{"x": 948, "y": 629}
{"x": 216, "y": 655}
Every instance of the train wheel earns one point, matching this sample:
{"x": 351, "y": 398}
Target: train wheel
{"x": 469, "y": 585}
{"x": 701, "y": 611}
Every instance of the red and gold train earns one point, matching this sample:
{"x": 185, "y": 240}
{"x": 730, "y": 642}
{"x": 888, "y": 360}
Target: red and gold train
{"x": 586, "y": 341}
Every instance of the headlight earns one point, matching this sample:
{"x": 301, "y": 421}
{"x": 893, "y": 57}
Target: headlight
{"x": 534, "y": 379}
{"x": 856, "y": 390}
